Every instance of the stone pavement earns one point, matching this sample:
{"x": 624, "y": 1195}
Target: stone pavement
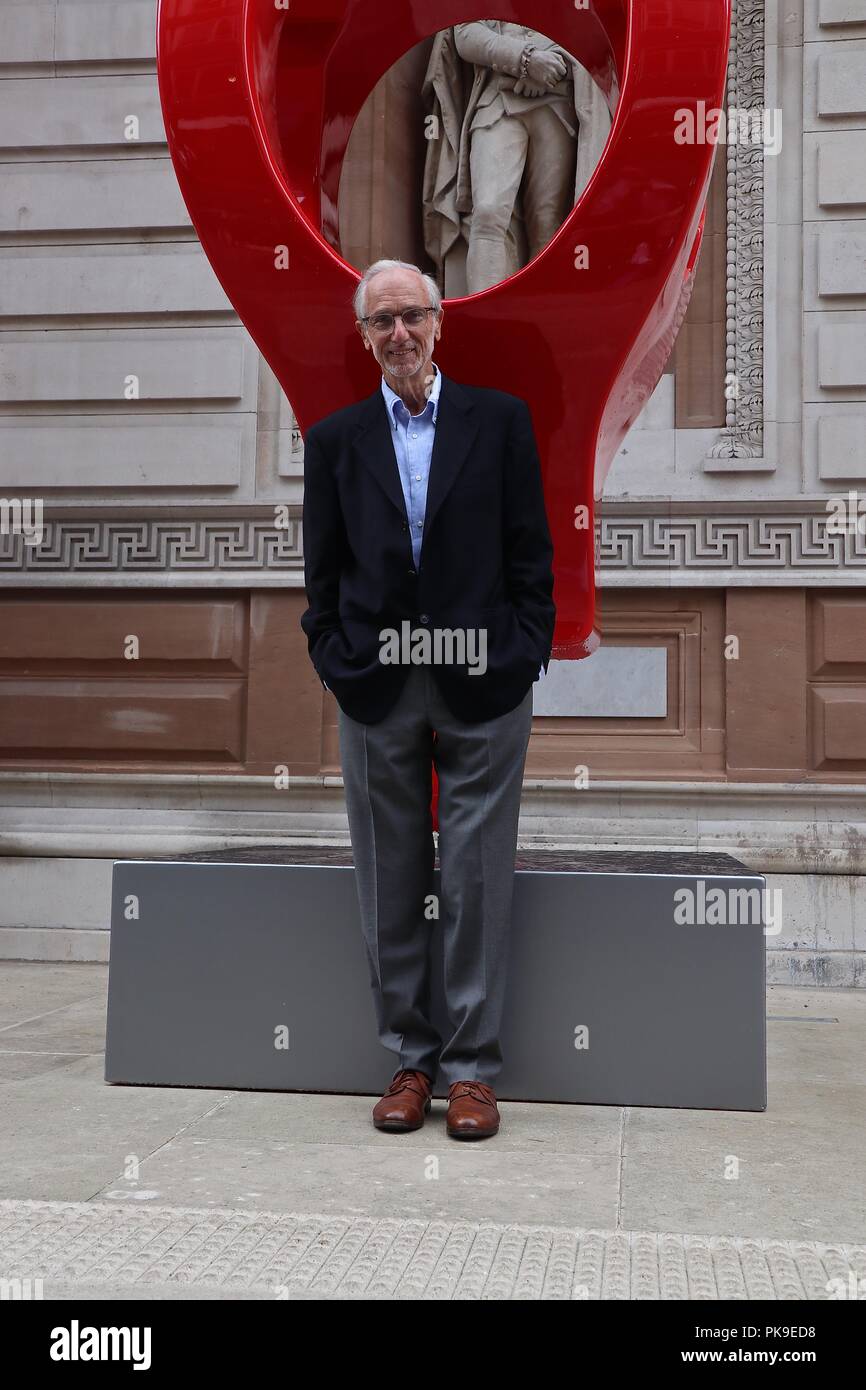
{"x": 131, "y": 1192}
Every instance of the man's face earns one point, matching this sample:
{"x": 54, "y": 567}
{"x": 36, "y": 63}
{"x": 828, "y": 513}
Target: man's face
{"x": 403, "y": 351}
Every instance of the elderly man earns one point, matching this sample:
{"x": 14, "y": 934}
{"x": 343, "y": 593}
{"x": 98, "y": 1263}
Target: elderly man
{"x": 424, "y": 518}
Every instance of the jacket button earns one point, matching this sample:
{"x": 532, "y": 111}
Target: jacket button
{"x": 423, "y": 617}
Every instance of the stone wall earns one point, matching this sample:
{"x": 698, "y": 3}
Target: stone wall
{"x": 727, "y": 706}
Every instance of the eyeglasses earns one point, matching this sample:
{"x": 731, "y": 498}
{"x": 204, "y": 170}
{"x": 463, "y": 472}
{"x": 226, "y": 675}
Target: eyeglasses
{"x": 412, "y": 318}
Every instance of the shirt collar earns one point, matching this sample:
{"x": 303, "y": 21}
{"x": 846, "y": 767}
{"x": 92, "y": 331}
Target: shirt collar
{"x": 392, "y": 400}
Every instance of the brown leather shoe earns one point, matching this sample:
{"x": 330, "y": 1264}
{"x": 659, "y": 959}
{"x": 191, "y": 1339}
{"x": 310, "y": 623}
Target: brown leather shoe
{"x": 405, "y": 1103}
{"x": 472, "y": 1112}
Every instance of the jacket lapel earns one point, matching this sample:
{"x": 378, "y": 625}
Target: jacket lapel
{"x": 375, "y": 448}
{"x": 456, "y": 428}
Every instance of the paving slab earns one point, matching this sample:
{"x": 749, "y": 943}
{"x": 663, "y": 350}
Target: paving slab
{"x": 439, "y": 1179}
{"x": 327, "y": 1119}
{"x": 32, "y": 989}
{"x": 66, "y": 1135}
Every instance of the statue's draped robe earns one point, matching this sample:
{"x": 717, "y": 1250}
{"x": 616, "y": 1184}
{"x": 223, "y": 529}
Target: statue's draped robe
{"x": 451, "y": 93}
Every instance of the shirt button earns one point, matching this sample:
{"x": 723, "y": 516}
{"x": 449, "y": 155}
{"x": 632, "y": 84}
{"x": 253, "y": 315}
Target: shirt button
{"x": 417, "y": 477}
{"x": 418, "y": 523}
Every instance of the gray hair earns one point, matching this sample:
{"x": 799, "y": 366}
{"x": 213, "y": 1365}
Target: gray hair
{"x": 359, "y": 299}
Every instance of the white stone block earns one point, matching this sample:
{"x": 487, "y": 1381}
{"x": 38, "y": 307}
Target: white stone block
{"x": 842, "y": 168}
{"x": 81, "y": 111}
{"x": 55, "y": 893}
{"x": 841, "y": 445}
{"x": 105, "y": 30}
{"x": 645, "y": 465}
{"x": 144, "y": 451}
{"x": 842, "y": 354}
{"x": 842, "y": 82}
{"x": 27, "y": 31}
{"x": 103, "y": 194}
{"x": 164, "y": 366}
{"x": 832, "y": 357}
{"x": 36, "y": 943}
{"x": 613, "y": 683}
{"x": 110, "y": 280}
{"x": 841, "y": 11}
{"x": 842, "y": 262}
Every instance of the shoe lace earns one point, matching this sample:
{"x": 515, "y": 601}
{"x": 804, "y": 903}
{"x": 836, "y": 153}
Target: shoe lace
{"x": 408, "y": 1080}
{"x": 477, "y": 1089}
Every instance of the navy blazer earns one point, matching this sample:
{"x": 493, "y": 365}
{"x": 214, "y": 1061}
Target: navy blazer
{"x": 486, "y": 556}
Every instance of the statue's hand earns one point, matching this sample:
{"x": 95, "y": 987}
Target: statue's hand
{"x": 546, "y": 67}
{"x": 522, "y": 88}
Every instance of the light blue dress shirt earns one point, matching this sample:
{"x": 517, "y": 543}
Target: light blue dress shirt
{"x": 413, "y": 437}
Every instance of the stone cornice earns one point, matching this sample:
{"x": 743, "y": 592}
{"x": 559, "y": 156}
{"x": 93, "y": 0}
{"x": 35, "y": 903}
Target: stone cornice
{"x": 656, "y": 542}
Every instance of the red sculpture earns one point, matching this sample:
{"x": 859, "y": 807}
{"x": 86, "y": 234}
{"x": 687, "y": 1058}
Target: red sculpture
{"x": 259, "y": 98}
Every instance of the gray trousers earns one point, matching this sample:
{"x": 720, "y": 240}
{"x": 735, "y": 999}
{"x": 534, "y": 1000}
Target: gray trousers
{"x": 387, "y": 778}
{"x": 537, "y": 148}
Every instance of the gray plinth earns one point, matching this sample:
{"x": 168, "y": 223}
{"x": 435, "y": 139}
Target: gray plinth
{"x": 214, "y": 957}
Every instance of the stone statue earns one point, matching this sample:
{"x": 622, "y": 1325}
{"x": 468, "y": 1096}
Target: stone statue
{"x": 518, "y": 127}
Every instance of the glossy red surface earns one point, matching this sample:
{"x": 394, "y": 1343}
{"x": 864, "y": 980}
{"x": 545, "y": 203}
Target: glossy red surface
{"x": 259, "y": 102}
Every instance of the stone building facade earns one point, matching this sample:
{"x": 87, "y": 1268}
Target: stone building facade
{"x": 155, "y": 693}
